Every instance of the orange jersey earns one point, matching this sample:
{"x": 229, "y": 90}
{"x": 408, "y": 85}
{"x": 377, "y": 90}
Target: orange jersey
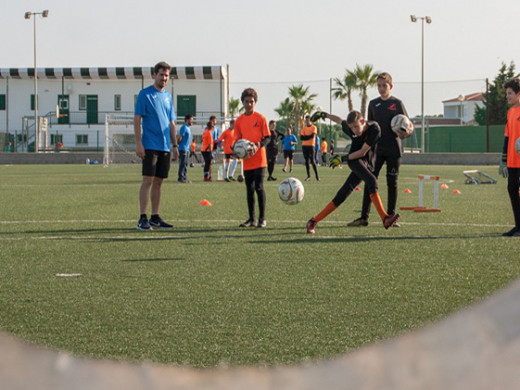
{"x": 207, "y": 141}
{"x": 193, "y": 146}
{"x": 309, "y": 130}
{"x": 513, "y": 132}
{"x": 253, "y": 128}
{"x": 228, "y": 137}
{"x": 324, "y": 147}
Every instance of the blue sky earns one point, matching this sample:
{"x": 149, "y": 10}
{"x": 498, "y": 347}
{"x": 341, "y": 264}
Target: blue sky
{"x": 272, "y": 44}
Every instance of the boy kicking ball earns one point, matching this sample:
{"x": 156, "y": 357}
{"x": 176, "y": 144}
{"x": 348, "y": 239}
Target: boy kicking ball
{"x": 360, "y": 159}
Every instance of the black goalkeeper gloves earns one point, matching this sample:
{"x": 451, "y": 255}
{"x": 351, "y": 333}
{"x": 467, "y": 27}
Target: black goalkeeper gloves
{"x": 502, "y": 168}
{"x": 335, "y": 161}
{"x": 318, "y": 115}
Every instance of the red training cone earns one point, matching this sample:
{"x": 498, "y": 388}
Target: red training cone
{"x": 357, "y": 189}
{"x": 456, "y": 192}
{"x": 205, "y": 202}
{"x": 407, "y": 191}
{"x": 444, "y": 186}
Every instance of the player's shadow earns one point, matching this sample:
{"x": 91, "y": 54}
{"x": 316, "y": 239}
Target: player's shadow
{"x": 360, "y": 239}
{"x": 152, "y": 260}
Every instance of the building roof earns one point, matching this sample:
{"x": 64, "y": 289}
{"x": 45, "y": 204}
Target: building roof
{"x": 472, "y": 97}
{"x": 115, "y": 73}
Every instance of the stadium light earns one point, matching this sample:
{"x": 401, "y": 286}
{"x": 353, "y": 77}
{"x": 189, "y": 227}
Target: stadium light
{"x": 28, "y": 15}
{"x": 428, "y": 20}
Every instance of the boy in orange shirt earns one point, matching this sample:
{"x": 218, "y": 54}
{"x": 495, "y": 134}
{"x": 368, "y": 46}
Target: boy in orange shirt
{"x": 228, "y": 137}
{"x": 323, "y": 148}
{"x": 308, "y": 136}
{"x": 510, "y": 164}
{"x": 207, "y": 147}
{"x": 193, "y": 150}
{"x": 252, "y": 126}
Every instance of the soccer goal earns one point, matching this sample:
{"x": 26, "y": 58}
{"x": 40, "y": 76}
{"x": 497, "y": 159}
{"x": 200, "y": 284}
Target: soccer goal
{"x": 119, "y": 136}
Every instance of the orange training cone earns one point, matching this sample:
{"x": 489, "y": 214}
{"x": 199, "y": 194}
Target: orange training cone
{"x": 456, "y": 192}
{"x": 205, "y": 202}
{"x": 444, "y": 186}
{"x": 407, "y": 191}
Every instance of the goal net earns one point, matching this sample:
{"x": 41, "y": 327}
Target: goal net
{"x": 119, "y": 137}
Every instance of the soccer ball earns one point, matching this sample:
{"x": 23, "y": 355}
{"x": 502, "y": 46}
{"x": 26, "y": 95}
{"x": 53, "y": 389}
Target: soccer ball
{"x": 402, "y": 126}
{"x": 242, "y": 147}
{"x": 291, "y": 191}
{"x": 517, "y": 146}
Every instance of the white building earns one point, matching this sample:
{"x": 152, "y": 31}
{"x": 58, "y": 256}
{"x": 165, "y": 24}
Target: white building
{"x": 463, "y": 107}
{"x": 81, "y": 97}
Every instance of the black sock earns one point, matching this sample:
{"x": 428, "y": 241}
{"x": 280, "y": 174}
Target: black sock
{"x": 154, "y": 217}
{"x": 143, "y": 216}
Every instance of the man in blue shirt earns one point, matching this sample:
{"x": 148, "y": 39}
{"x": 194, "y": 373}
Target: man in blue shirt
{"x": 184, "y": 141}
{"x": 155, "y": 113}
{"x": 289, "y": 145}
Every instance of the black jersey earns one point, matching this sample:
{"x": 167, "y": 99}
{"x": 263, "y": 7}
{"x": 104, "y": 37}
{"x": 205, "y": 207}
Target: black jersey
{"x": 370, "y": 137}
{"x": 382, "y": 111}
{"x": 272, "y": 146}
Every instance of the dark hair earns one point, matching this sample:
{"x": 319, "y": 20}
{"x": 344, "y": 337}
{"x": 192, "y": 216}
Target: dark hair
{"x": 385, "y": 77}
{"x": 249, "y": 92}
{"x": 212, "y": 117}
{"x": 161, "y": 65}
{"x": 231, "y": 122}
{"x": 354, "y": 116}
{"x": 187, "y": 117}
{"x": 210, "y": 125}
{"x": 272, "y": 121}
{"x": 514, "y": 84}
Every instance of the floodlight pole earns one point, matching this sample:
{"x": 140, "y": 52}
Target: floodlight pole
{"x": 428, "y": 20}
{"x": 28, "y": 15}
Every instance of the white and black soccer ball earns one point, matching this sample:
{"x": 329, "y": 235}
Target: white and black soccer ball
{"x": 402, "y": 126}
{"x": 517, "y": 146}
{"x": 291, "y": 191}
{"x": 242, "y": 147}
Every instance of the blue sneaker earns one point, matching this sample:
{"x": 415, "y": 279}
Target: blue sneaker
{"x": 158, "y": 223}
{"x": 143, "y": 224}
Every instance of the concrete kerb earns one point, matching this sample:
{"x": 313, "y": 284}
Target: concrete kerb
{"x": 477, "y": 348}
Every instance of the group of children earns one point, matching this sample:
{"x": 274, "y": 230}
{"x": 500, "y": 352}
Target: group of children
{"x": 374, "y": 144}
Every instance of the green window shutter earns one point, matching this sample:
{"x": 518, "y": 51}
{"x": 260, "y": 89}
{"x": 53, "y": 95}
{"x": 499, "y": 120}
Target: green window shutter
{"x": 2, "y": 102}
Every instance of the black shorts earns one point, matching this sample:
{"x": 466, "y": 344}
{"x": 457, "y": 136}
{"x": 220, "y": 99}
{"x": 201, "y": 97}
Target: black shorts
{"x": 228, "y": 156}
{"x": 288, "y": 154}
{"x": 156, "y": 163}
{"x": 308, "y": 152}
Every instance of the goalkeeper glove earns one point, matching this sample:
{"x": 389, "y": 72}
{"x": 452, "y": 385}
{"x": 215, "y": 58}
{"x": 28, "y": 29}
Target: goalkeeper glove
{"x": 335, "y": 161}
{"x": 502, "y": 168}
{"x": 318, "y": 115}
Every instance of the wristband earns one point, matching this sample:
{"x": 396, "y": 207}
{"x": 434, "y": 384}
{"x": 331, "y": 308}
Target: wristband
{"x": 175, "y": 146}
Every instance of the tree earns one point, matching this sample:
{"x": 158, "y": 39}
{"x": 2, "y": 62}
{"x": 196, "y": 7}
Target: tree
{"x": 286, "y": 110}
{"x": 233, "y": 107}
{"x": 365, "y": 78}
{"x": 497, "y": 102}
{"x": 344, "y": 88}
{"x": 298, "y": 95}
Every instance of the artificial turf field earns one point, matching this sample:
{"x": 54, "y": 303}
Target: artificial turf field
{"x": 208, "y": 293}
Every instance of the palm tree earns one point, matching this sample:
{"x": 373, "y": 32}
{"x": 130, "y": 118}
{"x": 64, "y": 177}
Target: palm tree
{"x": 344, "y": 88}
{"x": 233, "y": 107}
{"x": 365, "y": 78}
{"x": 286, "y": 110}
{"x": 298, "y": 95}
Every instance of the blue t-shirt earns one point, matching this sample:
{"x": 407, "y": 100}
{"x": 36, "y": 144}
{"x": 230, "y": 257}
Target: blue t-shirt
{"x": 185, "y": 132}
{"x": 156, "y": 110}
{"x": 317, "y": 144}
{"x": 287, "y": 142}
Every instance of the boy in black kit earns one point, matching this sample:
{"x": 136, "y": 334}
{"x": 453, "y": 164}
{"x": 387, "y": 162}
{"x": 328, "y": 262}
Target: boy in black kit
{"x": 382, "y": 110}
{"x": 365, "y": 137}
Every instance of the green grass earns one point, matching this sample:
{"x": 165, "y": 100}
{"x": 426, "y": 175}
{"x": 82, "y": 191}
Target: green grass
{"x": 209, "y": 293}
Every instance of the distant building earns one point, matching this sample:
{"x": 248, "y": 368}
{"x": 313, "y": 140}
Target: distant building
{"x": 463, "y": 107}
{"x": 81, "y": 97}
